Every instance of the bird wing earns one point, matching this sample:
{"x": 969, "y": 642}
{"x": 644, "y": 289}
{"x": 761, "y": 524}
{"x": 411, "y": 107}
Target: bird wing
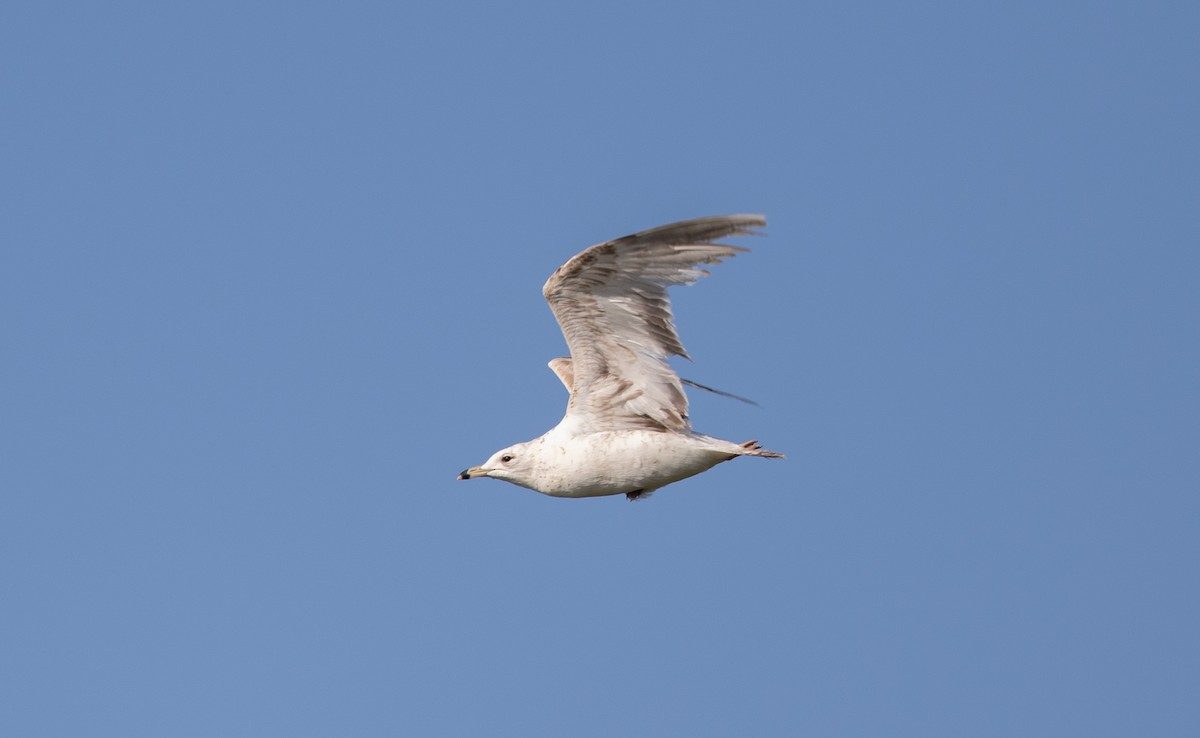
{"x": 611, "y": 302}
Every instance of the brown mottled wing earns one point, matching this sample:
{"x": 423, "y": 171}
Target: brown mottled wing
{"x": 611, "y": 303}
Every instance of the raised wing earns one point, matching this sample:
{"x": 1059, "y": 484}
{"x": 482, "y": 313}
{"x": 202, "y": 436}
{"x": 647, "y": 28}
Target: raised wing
{"x": 611, "y": 303}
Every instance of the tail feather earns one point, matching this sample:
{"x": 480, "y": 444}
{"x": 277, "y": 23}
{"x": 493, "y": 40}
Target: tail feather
{"x": 753, "y": 449}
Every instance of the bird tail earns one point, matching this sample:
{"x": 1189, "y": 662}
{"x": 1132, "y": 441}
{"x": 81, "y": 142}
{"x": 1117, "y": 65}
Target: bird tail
{"x": 751, "y": 448}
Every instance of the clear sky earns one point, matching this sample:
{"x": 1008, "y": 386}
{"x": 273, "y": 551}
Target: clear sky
{"x": 270, "y": 277}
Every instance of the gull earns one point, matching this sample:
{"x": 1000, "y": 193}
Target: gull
{"x": 626, "y": 429}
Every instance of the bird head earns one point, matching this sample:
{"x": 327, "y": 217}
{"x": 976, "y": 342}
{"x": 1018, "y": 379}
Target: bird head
{"x": 512, "y": 464}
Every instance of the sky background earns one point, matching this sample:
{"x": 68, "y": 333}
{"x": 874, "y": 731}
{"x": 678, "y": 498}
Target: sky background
{"x": 270, "y": 277}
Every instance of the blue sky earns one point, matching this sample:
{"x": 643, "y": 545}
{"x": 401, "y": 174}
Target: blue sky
{"x": 270, "y": 277}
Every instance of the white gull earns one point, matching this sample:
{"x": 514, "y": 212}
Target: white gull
{"x": 626, "y": 430}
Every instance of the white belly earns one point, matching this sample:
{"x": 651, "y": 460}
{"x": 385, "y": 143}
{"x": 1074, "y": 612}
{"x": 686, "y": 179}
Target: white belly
{"x": 614, "y": 463}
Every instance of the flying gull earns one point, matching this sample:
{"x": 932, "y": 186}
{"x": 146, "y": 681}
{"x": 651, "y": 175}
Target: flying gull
{"x": 626, "y": 430}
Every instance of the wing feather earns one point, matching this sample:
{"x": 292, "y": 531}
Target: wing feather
{"x": 611, "y": 302}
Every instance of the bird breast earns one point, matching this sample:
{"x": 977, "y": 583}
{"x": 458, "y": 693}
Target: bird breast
{"x": 612, "y": 462}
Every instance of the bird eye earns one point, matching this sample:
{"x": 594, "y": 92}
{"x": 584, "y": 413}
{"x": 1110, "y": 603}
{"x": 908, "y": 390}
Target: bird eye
{"x": 506, "y": 458}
